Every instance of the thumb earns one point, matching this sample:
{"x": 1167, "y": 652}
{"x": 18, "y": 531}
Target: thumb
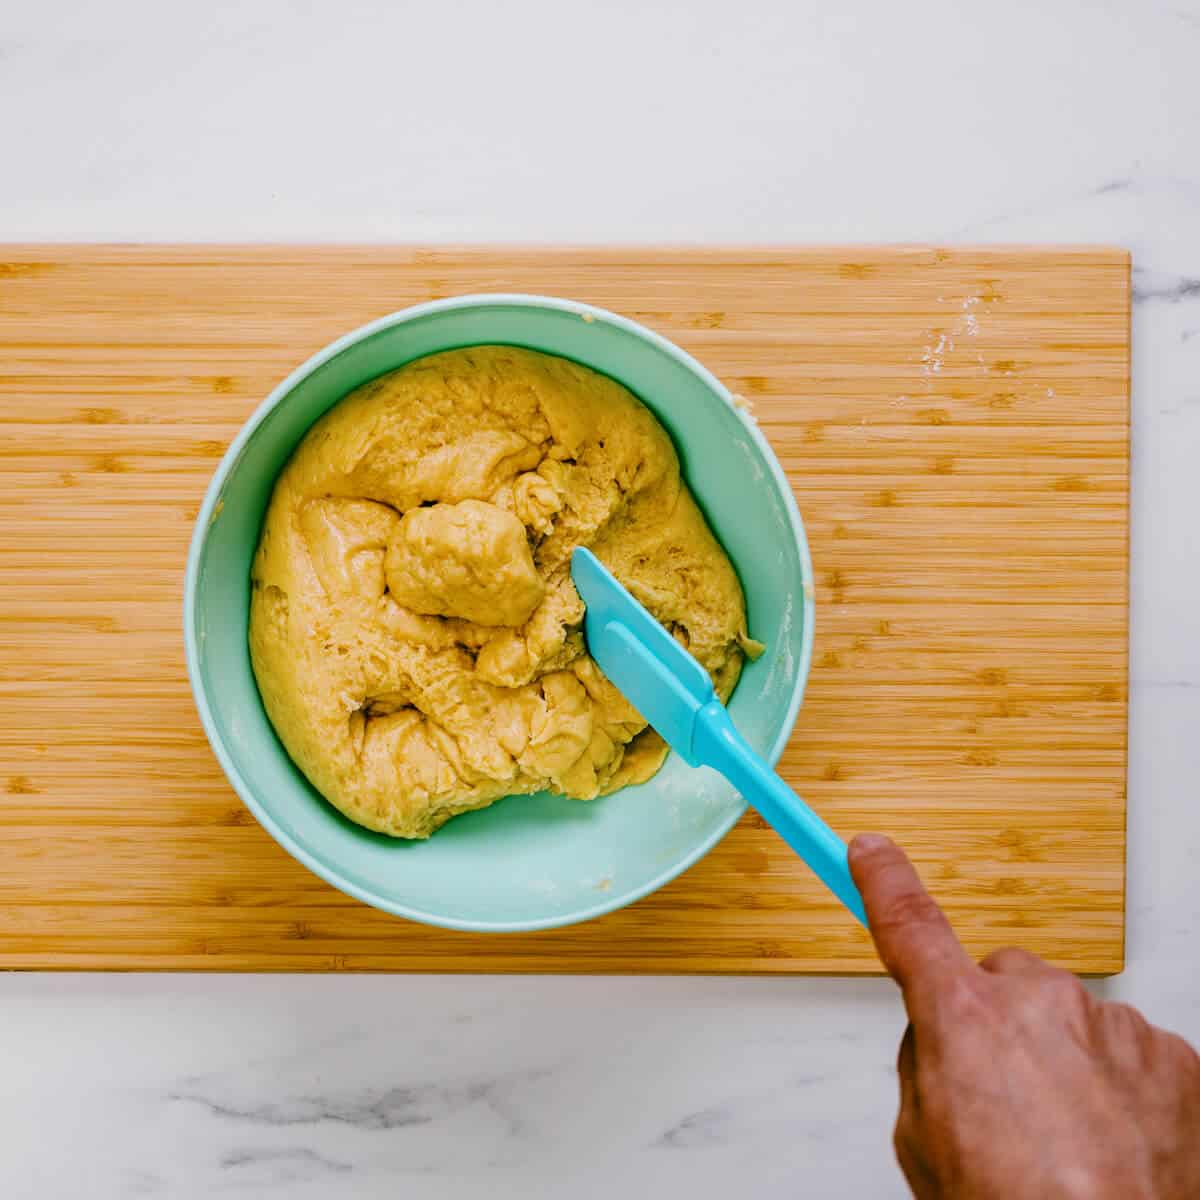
{"x": 911, "y": 934}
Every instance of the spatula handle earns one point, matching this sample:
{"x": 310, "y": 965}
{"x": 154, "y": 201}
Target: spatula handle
{"x": 716, "y": 743}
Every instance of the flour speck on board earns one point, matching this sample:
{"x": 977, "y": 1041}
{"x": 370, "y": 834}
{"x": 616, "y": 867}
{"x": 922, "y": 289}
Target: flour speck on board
{"x": 942, "y": 341}
{"x": 970, "y": 320}
{"x": 933, "y": 356}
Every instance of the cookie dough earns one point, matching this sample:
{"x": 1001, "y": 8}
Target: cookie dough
{"x": 414, "y": 630}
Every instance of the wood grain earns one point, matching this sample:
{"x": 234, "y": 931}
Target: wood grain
{"x": 954, "y": 424}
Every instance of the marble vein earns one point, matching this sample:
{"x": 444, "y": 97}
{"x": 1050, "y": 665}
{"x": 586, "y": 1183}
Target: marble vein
{"x": 1165, "y": 286}
{"x": 705, "y": 1127}
{"x": 371, "y": 1109}
{"x": 392, "y": 1108}
{"x": 286, "y": 1164}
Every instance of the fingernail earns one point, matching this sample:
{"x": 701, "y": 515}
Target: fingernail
{"x": 865, "y": 843}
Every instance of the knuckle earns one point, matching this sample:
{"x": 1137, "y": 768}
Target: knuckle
{"x": 1062, "y": 989}
{"x": 908, "y": 908}
{"x": 1188, "y": 1058}
{"x": 908, "y": 1151}
{"x": 1123, "y": 1020}
{"x": 904, "y": 1136}
{"x": 1008, "y": 958}
{"x": 1055, "y": 993}
{"x": 959, "y": 1000}
{"x": 1187, "y": 1062}
{"x": 1164, "y": 1051}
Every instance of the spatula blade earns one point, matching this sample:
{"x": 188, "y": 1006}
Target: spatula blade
{"x": 653, "y": 671}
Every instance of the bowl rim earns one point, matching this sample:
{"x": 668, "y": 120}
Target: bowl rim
{"x": 208, "y": 510}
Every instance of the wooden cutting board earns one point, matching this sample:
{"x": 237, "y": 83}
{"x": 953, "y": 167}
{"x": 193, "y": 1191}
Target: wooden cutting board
{"x": 954, "y": 424}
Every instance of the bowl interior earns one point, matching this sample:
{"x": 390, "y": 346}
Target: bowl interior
{"x": 526, "y": 862}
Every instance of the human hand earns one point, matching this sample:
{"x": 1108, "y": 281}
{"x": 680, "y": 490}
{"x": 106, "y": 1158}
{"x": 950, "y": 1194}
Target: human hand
{"x": 1014, "y": 1081}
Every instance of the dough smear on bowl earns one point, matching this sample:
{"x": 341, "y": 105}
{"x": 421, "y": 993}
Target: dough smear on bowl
{"x": 413, "y": 626}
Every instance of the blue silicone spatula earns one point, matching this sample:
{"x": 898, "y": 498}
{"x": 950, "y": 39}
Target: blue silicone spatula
{"x": 675, "y": 695}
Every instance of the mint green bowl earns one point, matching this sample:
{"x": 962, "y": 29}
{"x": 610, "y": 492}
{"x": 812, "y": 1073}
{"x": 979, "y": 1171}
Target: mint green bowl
{"x": 528, "y": 862}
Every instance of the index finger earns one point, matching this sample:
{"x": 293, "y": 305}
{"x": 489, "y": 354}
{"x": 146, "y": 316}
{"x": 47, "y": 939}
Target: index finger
{"x": 911, "y": 934}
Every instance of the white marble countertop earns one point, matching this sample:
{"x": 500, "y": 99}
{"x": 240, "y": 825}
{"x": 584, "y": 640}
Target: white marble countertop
{"x": 537, "y": 120}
